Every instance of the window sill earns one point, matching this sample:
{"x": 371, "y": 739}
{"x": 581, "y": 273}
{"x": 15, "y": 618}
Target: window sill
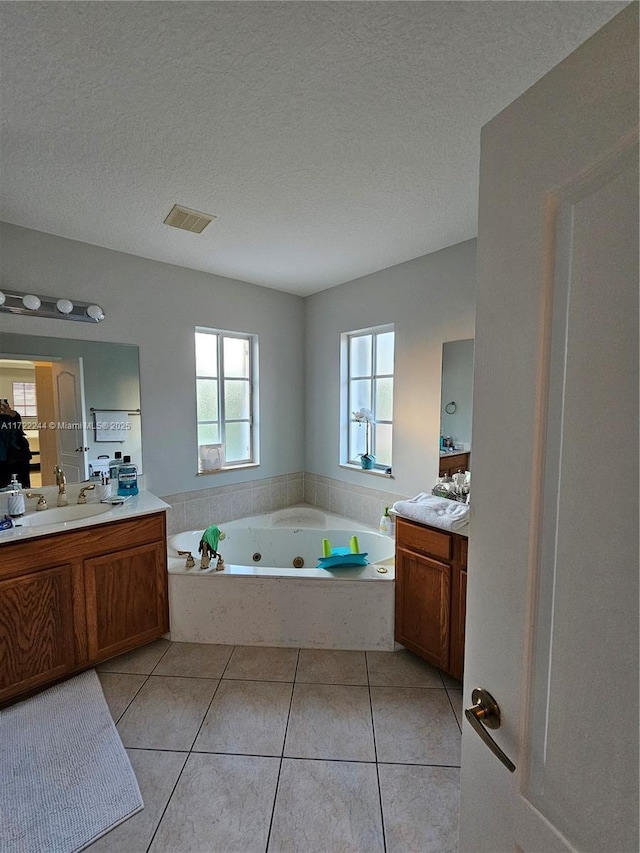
{"x": 240, "y": 467}
{"x": 377, "y": 472}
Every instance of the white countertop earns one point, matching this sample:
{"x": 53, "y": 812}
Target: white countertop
{"x": 453, "y": 452}
{"x": 143, "y": 503}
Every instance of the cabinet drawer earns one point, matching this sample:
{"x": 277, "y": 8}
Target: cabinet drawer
{"x": 423, "y": 539}
{"x": 18, "y": 558}
{"x": 454, "y": 462}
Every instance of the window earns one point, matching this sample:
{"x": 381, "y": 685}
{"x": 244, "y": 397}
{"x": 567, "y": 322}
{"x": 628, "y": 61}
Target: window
{"x": 367, "y": 374}
{"x": 24, "y": 399}
{"x": 225, "y": 399}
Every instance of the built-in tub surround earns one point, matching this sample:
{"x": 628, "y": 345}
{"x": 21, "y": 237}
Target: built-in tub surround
{"x": 194, "y": 510}
{"x": 263, "y": 605}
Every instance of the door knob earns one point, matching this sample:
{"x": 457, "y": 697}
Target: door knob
{"x": 485, "y": 712}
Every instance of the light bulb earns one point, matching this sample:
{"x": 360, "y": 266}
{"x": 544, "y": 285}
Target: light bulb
{"x": 95, "y": 312}
{"x": 64, "y": 306}
{"x": 31, "y": 302}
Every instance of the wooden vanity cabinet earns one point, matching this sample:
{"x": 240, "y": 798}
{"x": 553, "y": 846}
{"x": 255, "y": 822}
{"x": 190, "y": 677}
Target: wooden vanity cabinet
{"x": 452, "y": 462}
{"x": 72, "y": 599}
{"x": 430, "y": 594}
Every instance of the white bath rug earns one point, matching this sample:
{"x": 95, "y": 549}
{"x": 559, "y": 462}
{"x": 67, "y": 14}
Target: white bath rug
{"x": 65, "y": 778}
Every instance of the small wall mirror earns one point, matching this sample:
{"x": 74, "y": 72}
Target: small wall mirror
{"x": 79, "y": 402}
{"x": 456, "y": 402}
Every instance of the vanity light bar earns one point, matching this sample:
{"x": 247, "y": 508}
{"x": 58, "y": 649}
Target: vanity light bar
{"x": 13, "y": 302}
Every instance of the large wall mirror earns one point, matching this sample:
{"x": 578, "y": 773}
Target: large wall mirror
{"x": 456, "y": 403}
{"x": 79, "y": 402}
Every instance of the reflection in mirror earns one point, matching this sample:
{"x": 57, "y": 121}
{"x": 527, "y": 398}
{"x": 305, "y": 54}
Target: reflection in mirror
{"x": 456, "y": 402}
{"x": 79, "y": 402}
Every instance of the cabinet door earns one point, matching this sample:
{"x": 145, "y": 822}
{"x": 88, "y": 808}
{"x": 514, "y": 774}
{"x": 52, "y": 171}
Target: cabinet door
{"x": 458, "y": 616}
{"x": 126, "y": 594}
{"x": 423, "y": 602}
{"x": 36, "y": 630}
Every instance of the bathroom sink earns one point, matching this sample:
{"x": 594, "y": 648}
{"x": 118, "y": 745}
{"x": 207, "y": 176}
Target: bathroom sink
{"x": 62, "y": 514}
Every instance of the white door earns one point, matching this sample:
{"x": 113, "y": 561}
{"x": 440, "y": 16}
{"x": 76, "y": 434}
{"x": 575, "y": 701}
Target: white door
{"x": 552, "y": 627}
{"x": 71, "y": 428}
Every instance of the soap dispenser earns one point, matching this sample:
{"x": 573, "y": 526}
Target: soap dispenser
{"x": 387, "y": 523}
{"x": 16, "y": 505}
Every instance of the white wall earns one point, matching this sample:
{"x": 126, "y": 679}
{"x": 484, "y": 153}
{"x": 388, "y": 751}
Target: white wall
{"x": 157, "y": 306}
{"x": 431, "y": 300}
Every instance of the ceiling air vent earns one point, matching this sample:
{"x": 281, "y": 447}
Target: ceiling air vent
{"x": 188, "y": 220}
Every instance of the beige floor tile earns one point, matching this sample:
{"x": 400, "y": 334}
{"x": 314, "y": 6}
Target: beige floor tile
{"x": 450, "y": 681}
{"x": 415, "y": 726}
{"x": 119, "y": 688}
{"x": 246, "y": 718}
{"x": 420, "y": 807}
{"x": 330, "y": 721}
{"x": 166, "y": 713}
{"x": 140, "y": 661}
{"x": 327, "y": 807}
{"x": 456, "y": 700}
{"x": 255, "y": 663}
{"x": 222, "y": 804}
{"x": 157, "y": 773}
{"x": 195, "y": 660}
{"x": 326, "y": 666}
{"x": 401, "y": 669}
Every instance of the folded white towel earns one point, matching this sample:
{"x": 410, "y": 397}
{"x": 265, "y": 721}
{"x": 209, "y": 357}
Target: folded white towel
{"x": 438, "y": 512}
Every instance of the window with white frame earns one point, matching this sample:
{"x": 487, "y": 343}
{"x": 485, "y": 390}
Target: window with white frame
{"x": 367, "y": 377}
{"x": 225, "y": 399}
{"x": 24, "y": 399}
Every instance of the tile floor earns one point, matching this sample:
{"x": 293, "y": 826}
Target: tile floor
{"x": 242, "y": 749}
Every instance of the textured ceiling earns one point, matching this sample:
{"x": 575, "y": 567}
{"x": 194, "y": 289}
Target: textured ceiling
{"x": 331, "y": 139}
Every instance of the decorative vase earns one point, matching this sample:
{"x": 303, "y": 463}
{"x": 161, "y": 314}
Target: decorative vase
{"x": 367, "y": 461}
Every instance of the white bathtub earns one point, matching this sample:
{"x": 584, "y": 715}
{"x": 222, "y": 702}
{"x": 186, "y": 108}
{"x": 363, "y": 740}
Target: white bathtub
{"x": 268, "y": 602}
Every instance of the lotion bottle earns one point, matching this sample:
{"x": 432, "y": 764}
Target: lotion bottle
{"x": 387, "y": 523}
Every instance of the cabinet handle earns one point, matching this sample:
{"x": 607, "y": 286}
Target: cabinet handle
{"x": 485, "y": 712}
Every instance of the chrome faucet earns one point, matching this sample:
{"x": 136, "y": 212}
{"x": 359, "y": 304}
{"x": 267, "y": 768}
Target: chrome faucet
{"x": 61, "y": 483}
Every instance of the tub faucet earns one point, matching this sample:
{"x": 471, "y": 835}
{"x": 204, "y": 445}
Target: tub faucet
{"x": 61, "y": 483}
